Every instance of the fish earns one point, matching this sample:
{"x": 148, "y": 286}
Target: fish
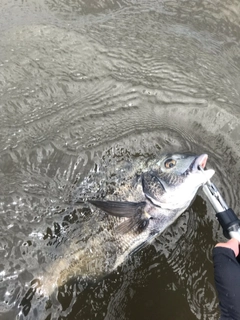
{"x": 164, "y": 191}
{"x": 130, "y": 218}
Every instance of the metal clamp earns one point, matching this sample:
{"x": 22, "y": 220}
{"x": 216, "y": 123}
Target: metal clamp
{"x": 225, "y": 215}
{"x": 214, "y": 196}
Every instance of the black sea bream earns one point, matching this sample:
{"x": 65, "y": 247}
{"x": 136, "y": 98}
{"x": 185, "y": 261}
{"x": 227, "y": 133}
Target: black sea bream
{"x": 152, "y": 201}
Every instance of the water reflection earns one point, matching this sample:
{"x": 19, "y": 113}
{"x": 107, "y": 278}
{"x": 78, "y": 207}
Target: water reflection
{"x": 85, "y": 88}
{"x": 83, "y": 7}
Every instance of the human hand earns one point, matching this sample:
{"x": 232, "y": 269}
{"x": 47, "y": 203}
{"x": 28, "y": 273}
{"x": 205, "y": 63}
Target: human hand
{"x": 231, "y": 244}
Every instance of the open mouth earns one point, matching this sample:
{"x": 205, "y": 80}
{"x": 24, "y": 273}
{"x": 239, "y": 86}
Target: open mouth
{"x": 200, "y": 161}
{"x": 199, "y": 164}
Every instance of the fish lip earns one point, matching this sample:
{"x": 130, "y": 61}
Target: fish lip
{"x": 197, "y": 161}
{"x": 200, "y": 161}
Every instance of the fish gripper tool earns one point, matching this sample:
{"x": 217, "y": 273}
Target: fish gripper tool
{"x": 225, "y": 215}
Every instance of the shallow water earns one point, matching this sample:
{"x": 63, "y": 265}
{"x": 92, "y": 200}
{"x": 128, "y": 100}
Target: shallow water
{"x": 85, "y": 87}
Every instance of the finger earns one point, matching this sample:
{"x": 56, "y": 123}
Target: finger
{"x": 231, "y": 244}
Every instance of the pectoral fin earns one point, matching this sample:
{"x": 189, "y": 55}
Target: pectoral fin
{"x": 138, "y": 218}
{"x": 119, "y": 209}
{"x": 135, "y": 224}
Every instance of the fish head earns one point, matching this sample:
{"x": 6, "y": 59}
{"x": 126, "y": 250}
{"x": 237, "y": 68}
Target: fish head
{"x": 173, "y": 181}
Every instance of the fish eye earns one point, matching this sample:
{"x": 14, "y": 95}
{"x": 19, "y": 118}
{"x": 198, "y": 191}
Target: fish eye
{"x": 170, "y": 163}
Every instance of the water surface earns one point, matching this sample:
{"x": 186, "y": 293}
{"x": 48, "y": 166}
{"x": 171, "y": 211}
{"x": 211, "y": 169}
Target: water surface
{"x": 86, "y": 87}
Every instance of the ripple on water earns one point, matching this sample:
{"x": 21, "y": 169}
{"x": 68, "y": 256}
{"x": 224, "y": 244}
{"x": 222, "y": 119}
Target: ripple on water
{"x": 124, "y": 83}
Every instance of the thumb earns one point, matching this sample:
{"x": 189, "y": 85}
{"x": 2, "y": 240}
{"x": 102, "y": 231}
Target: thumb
{"x": 231, "y": 244}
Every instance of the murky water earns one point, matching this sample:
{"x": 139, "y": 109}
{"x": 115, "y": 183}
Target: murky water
{"x": 85, "y": 87}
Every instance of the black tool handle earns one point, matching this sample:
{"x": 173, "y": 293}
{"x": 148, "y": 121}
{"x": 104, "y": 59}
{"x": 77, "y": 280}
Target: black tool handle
{"x": 228, "y": 221}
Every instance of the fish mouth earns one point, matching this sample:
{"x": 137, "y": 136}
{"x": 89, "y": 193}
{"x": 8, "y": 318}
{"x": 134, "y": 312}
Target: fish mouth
{"x": 199, "y": 161}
